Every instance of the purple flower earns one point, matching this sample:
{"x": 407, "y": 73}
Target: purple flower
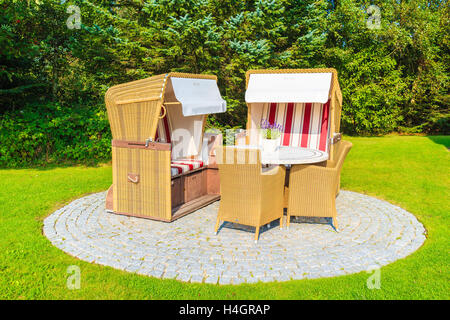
{"x": 270, "y": 130}
{"x": 265, "y": 124}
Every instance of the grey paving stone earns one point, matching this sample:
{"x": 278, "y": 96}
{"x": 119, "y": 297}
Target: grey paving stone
{"x": 132, "y": 267}
{"x": 371, "y": 232}
{"x": 169, "y": 275}
{"x": 184, "y": 277}
{"x": 212, "y": 279}
{"x": 225, "y": 280}
{"x": 197, "y": 278}
{"x": 156, "y": 273}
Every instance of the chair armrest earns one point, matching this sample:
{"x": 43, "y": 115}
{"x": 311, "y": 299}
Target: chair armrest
{"x": 315, "y": 168}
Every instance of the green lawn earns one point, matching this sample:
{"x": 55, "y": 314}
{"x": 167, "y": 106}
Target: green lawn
{"x": 412, "y": 172}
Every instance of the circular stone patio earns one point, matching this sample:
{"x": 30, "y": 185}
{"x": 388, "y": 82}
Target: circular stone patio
{"x": 372, "y": 233}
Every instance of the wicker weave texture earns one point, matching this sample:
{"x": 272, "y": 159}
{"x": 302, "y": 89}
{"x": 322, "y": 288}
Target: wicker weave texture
{"x": 312, "y": 188}
{"x": 150, "y": 196}
{"x": 134, "y": 107}
{"x": 135, "y": 122}
{"x": 248, "y": 196}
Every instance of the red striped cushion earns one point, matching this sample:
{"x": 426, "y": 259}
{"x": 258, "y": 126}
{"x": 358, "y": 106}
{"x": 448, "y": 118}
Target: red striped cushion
{"x": 305, "y": 125}
{"x": 184, "y": 165}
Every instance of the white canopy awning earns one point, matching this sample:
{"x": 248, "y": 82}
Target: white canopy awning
{"x": 198, "y": 96}
{"x": 288, "y": 87}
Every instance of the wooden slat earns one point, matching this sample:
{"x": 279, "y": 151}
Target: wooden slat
{"x": 193, "y": 205}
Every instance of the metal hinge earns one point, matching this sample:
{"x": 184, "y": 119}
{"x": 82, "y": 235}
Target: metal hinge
{"x": 147, "y": 142}
{"x": 336, "y": 138}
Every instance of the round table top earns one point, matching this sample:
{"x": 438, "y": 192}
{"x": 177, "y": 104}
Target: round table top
{"x": 293, "y": 155}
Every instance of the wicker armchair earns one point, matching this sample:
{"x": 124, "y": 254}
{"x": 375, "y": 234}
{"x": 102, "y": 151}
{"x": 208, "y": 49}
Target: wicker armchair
{"x": 313, "y": 188}
{"x": 248, "y": 195}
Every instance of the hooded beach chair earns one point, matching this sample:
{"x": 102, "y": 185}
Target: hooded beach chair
{"x": 306, "y": 104}
{"x": 162, "y": 158}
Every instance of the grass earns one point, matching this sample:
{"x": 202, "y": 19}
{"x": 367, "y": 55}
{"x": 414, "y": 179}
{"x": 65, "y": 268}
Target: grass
{"x": 412, "y": 172}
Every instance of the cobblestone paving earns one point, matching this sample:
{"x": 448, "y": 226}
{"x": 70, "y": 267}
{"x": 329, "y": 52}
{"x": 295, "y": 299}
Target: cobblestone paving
{"x": 372, "y": 233}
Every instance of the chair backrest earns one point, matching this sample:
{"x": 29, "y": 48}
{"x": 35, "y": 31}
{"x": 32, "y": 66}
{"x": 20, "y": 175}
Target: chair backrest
{"x": 240, "y": 175}
{"x": 237, "y": 160}
{"x": 303, "y": 125}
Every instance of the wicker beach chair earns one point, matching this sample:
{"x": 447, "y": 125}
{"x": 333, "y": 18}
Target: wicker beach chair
{"x": 306, "y": 103}
{"x": 163, "y": 161}
{"x": 313, "y": 188}
{"x": 248, "y": 195}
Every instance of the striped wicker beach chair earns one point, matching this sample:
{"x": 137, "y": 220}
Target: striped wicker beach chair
{"x": 312, "y": 122}
{"x": 306, "y": 104}
{"x": 163, "y": 161}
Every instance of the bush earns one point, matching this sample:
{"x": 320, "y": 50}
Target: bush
{"x": 46, "y": 133}
{"x": 393, "y": 78}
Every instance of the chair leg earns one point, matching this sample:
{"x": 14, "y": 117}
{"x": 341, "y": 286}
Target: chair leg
{"x": 335, "y": 224}
{"x": 288, "y": 220}
{"x": 338, "y": 186}
{"x": 256, "y": 234}
{"x": 282, "y": 219}
{"x": 217, "y": 225}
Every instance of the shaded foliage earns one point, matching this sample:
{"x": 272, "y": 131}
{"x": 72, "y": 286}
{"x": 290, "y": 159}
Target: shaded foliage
{"x": 53, "y": 78}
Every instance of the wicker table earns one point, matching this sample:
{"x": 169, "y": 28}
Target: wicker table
{"x": 292, "y": 155}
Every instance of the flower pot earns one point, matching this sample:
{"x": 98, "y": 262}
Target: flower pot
{"x": 270, "y": 145}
